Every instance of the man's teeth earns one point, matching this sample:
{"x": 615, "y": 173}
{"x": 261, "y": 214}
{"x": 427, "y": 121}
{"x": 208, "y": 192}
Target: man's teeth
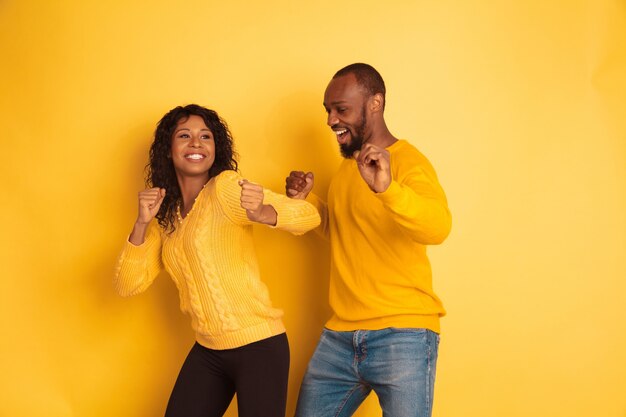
{"x": 340, "y": 132}
{"x": 194, "y": 156}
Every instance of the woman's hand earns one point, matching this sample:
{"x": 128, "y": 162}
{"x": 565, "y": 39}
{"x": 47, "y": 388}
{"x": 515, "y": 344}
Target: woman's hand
{"x": 149, "y": 203}
{"x": 252, "y": 201}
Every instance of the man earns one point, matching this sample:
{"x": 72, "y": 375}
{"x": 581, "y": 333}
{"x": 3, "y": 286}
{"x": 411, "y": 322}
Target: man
{"x": 384, "y": 206}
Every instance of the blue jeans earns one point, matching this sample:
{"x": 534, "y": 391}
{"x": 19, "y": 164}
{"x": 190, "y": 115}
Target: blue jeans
{"x": 398, "y": 364}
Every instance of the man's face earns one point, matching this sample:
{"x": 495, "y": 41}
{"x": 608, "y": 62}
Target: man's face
{"x": 346, "y": 104}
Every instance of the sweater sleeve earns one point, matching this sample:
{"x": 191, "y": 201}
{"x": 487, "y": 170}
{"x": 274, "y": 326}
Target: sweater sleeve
{"x": 138, "y": 266}
{"x": 228, "y": 193}
{"x": 295, "y": 216}
{"x": 322, "y": 209}
{"x": 418, "y": 204}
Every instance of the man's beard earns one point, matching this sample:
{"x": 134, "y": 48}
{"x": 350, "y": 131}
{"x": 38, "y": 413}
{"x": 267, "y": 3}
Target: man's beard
{"x": 356, "y": 140}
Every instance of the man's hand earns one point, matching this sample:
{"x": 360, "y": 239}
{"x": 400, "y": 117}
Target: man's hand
{"x": 374, "y": 166}
{"x": 299, "y": 184}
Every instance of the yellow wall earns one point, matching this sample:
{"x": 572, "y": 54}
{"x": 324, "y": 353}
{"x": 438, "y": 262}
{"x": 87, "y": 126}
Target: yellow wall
{"x": 519, "y": 105}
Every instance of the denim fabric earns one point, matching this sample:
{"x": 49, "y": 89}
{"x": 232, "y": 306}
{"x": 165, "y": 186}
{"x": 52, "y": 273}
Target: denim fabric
{"x": 398, "y": 364}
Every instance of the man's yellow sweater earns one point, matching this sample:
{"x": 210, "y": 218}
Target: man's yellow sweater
{"x": 211, "y": 258}
{"x": 380, "y": 275}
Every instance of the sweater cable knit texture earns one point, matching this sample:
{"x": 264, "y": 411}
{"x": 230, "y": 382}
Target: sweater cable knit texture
{"x": 211, "y": 258}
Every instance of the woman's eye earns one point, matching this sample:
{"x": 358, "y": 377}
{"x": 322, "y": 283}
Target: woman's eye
{"x": 184, "y": 136}
{"x": 206, "y": 137}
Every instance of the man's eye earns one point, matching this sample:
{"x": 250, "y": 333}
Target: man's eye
{"x": 341, "y": 110}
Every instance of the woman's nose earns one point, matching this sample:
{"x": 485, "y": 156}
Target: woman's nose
{"x": 195, "y": 141}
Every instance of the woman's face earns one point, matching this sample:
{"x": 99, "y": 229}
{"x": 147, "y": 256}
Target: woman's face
{"x": 193, "y": 148}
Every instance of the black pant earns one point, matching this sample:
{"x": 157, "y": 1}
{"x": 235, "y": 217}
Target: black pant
{"x": 209, "y": 378}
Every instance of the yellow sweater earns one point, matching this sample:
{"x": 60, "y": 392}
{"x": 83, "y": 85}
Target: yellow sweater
{"x": 211, "y": 258}
{"x": 380, "y": 275}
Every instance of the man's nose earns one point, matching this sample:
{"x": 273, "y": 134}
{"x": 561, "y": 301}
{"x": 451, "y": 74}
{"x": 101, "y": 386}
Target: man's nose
{"x": 332, "y": 119}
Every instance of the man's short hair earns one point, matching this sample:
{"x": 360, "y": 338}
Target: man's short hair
{"x": 366, "y": 76}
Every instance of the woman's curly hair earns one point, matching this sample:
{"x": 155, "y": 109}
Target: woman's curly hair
{"x": 160, "y": 170}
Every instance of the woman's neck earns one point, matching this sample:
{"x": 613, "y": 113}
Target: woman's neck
{"x": 190, "y": 187}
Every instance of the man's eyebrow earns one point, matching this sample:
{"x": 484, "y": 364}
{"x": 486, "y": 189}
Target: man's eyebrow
{"x": 333, "y": 103}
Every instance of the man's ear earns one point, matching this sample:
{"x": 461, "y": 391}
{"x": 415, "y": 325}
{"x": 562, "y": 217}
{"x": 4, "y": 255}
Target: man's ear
{"x": 377, "y": 103}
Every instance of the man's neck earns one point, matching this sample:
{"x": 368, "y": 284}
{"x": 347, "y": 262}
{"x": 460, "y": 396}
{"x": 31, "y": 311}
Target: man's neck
{"x": 382, "y": 138}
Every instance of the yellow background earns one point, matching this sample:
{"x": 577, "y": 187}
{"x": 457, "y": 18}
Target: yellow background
{"x": 520, "y": 106}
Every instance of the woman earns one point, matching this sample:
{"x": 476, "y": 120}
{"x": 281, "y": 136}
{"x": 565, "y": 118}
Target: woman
{"x": 202, "y": 238}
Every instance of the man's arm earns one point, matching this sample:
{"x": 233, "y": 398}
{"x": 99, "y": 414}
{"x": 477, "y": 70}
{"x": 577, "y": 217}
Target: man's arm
{"x": 416, "y": 201}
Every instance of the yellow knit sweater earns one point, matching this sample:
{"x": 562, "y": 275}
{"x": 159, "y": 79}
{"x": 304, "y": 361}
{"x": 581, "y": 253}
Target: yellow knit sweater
{"x": 211, "y": 258}
{"x": 380, "y": 275}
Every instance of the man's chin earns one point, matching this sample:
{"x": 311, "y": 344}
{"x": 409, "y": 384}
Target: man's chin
{"x": 347, "y": 150}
